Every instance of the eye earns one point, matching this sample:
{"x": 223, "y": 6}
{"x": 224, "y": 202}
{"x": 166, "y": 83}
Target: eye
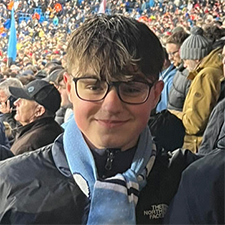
{"x": 133, "y": 88}
{"x": 92, "y": 85}
{"x": 130, "y": 89}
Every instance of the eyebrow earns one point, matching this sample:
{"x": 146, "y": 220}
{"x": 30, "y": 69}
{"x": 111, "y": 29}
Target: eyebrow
{"x": 90, "y": 75}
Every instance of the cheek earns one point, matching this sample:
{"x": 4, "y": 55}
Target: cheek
{"x": 142, "y": 114}
{"x": 83, "y": 113}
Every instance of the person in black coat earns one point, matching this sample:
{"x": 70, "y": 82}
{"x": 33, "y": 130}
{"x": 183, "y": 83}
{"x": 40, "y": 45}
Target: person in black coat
{"x": 35, "y": 111}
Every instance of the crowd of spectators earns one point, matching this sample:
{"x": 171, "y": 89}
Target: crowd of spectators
{"x": 44, "y": 26}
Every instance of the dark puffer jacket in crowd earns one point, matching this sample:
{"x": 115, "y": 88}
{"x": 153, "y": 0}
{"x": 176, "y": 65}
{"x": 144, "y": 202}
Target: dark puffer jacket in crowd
{"x": 200, "y": 197}
{"x": 48, "y": 194}
{"x": 35, "y": 135}
{"x": 179, "y": 89}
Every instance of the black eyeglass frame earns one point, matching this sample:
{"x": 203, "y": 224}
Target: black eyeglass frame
{"x": 115, "y": 84}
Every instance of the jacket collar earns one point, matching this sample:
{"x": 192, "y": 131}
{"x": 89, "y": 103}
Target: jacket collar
{"x": 59, "y": 157}
{"x": 26, "y": 128}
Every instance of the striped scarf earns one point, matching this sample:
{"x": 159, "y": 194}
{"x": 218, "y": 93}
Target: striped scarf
{"x": 113, "y": 200}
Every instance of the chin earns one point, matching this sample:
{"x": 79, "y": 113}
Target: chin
{"x": 16, "y": 117}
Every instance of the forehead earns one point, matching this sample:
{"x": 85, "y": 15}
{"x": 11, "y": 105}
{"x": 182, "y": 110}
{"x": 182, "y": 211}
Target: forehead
{"x": 171, "y": 47}
{"x": 127, "y": 74}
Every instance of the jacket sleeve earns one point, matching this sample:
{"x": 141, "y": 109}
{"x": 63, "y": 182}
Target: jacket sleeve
{"x": 200, "y": 196}
{"x": 180, "y": 212}
{"x": 200, "y": 100}
{"x": 213, "y": 129}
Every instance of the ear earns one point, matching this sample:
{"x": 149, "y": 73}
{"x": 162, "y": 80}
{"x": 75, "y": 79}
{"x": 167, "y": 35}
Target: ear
{"x": 157, "y": 89}
{"x": 39, "y": 111}
{"x": 68, "y": 81}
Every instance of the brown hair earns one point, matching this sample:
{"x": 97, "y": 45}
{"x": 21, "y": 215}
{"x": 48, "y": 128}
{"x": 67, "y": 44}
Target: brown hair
{"x": 114, "y": 47}
{"x": 177, "y": 38}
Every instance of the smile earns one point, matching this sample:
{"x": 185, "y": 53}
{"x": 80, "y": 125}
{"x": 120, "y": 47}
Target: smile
{"x": 111, "y": 123}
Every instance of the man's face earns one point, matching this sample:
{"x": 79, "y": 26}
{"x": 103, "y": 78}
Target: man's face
{"x": 173, "y": 52}
{"x": 3, "y": 96}
{"x": 190, "y": 64}
{"x": 111, "y": 123}
{"x": 25, "y": 111}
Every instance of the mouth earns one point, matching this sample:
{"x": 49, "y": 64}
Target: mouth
{"x": 111, "y": 123}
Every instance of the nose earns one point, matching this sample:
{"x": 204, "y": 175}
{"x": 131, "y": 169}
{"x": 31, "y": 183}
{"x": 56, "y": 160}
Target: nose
{"x": 16, "y": 103}
{"x": 112, "y": 102}
{"x": 184, "y": 63}
{"x": 170, "y": 57}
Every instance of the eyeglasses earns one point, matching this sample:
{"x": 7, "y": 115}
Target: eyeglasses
{"x": 173, "y": 53}
{"x": 94, "y": 90}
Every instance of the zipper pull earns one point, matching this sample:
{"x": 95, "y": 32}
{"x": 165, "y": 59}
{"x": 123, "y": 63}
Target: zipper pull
{"x": 110, "y": 158}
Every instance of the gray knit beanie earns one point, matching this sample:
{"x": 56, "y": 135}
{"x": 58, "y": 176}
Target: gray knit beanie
{"x": 196, "y": 46}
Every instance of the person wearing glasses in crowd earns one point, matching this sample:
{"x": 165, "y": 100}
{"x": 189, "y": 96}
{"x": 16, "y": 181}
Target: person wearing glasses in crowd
{"x": 104, "y": 169}
{"x": 181, "y": 84}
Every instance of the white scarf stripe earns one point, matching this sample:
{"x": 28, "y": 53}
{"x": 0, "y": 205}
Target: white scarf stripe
{"x": 110, "y": 186}
{"x": 133, "y": 198}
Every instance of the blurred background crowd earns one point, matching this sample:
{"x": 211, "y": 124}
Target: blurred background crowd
{"x": 43, "y": 26}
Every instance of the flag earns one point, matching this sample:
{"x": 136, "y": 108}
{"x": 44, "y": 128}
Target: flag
{"x": 102, "y": 7}
{"x": 12, "y": 39}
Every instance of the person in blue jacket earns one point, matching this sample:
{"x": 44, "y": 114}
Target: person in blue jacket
{"x": 167, "y": 77}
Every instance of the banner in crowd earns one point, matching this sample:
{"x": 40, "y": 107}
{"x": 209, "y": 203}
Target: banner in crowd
{"x": 11, "y": 53}
{"x": 102, "y": 7}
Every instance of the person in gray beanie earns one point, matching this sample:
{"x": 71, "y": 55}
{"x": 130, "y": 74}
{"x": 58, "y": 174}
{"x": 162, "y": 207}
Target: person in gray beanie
{"x": 196, "y": 46}
{"x": 206, "y": 73}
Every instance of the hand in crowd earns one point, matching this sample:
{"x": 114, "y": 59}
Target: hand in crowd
{"x": 5, "y": 107}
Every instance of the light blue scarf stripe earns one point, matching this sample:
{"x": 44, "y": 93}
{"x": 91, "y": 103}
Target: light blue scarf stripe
{"x": 78, "y": 154}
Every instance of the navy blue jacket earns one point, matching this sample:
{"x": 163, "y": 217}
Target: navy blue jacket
{"x": 200, "y": 197}
{"x": 38, "y": 188}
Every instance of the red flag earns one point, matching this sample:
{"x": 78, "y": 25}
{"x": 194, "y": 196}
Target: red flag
{"x": 102, "y": 7}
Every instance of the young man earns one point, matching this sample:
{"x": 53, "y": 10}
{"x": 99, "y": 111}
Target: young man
{"x": 96, "y": 171}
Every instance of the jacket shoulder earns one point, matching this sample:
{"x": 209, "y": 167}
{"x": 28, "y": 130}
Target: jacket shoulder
{"x": 206, "y": 178}
{"x": 19, "y": 163}
{"x": 30, "y": 185}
